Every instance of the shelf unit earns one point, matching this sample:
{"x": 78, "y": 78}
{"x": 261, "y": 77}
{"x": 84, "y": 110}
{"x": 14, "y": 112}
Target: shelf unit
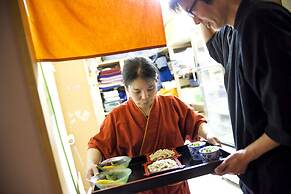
{"x": 107, "y": 88}
{"x": 109, "y": 82}
{"x": 210, "y": 76}
{"x": 216, "y": 106}
{"x": 184, "y": 65}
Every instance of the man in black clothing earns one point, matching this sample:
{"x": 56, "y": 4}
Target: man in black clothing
{"x": 254, "y": 46}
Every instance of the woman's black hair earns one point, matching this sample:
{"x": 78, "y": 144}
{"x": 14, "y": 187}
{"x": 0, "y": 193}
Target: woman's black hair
{"x": 138, "y": 67}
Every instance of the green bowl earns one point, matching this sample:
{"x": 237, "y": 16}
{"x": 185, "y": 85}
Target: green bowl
{"x": 115, "y": 162}
{"x": 112, "y": 178}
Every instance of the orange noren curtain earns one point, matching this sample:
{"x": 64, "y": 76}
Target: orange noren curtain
{"x": 72, "y": 29}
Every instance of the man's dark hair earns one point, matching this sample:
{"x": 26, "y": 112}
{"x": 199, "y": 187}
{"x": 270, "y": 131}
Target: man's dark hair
{"x": 175, "y": 4}
{"x": 139, "y": 67}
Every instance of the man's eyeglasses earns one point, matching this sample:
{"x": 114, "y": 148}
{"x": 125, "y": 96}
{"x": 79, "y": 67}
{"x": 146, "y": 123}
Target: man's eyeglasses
{"x": 190, "y": 10}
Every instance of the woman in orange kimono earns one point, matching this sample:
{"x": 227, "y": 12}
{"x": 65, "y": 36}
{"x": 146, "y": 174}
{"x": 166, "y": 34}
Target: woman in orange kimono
{"x": 146, "y": 123}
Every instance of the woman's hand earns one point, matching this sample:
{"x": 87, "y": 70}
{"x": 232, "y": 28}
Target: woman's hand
{"x": 93, "y": 158}
{"x": 205, "y": 132}
{"x": 213, "y": 140}
{"x": 91, "y": 170}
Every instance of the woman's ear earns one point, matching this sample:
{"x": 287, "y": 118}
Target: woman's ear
{"x": 126, "y": 89}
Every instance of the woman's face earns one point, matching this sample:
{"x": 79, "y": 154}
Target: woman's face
{"x": 142, "y": 92}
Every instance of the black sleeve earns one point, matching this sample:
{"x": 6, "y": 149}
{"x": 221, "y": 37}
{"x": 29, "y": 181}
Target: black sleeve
{"x": 218, "y": 45}
{"x": 266, "y": 48}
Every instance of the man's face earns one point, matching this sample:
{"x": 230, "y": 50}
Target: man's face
{"x": 206, "y": 13}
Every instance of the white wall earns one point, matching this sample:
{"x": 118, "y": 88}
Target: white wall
{"x": 77, "y": 107}
{"x": 26, "y": 163}
{"x": 287, "y": 4}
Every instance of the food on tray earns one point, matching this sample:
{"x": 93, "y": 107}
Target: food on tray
{"x": 111, "y": 178}
{"x": 104, "y": 181}
{"x": 197, "y": 144}
{"x": 194, "y": 149}
{"x": 162, "y": 154}
{"x": 210, "y": 153}
{"x": 209, "y": 149}
{"x": 115, "y": 162}
{"x": 161, "y": 165}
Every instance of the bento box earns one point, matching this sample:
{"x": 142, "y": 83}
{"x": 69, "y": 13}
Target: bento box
{"x": 162, "y": 154}
{"x": 162, "y": 165}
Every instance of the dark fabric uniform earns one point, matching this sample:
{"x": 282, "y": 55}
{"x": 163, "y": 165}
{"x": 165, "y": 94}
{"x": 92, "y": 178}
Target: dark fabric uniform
{"x": 256, "y": 55}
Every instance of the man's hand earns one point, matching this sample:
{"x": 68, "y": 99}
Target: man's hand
{"x": 235, "y": 163}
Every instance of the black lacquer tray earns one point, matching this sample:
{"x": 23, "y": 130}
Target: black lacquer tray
{"x": 139, "y": 182}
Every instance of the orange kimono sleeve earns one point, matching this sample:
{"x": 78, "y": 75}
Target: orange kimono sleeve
{"x": 105, "y": 140}
{"x": 189, "y": 120}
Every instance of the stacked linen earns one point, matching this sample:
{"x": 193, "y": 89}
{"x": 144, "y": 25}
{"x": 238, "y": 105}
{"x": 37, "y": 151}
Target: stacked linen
{"x": 110, "y": 72}
{"x": 111, "y": 87}
{"x": 110, "y": 96}
{"x": 109, "y": 79}
{"x": 111, "y": 100}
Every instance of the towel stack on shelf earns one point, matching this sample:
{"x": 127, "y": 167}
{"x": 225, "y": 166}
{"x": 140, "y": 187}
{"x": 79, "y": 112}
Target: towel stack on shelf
{"x": 111, "y": 87}
{"x": 109, "y": 79}
{"x": 111, "y": 99}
